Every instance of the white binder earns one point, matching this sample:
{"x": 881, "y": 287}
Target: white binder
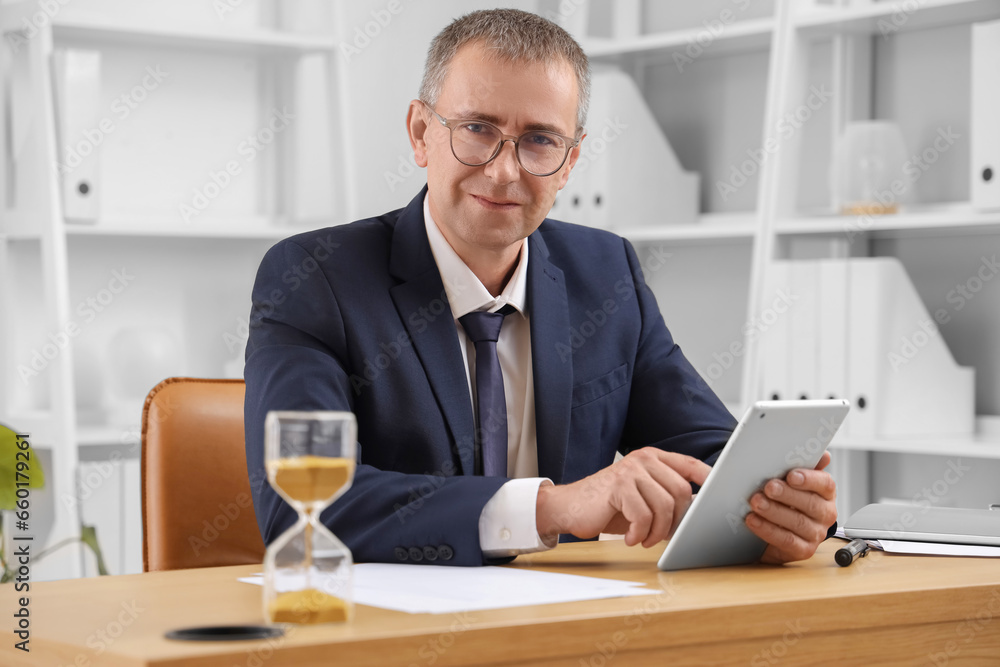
{"x": 985, "y": 117}
{"x": 571, "y": 203}
{"x": 866, "y": 311}
{"x": 804, "y": 333}
{"x": 832, "y": 329}
{"x": 82, "y": 129}
{"x": 773, "y": 328}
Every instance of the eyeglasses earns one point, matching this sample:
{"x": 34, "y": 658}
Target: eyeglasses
{"x": 475, "y": 143}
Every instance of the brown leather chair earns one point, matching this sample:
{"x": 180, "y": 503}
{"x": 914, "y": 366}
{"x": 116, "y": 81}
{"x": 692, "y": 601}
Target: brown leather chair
{"x": 196, "y": 505}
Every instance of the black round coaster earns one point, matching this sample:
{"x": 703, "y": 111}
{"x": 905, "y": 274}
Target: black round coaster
{"x": 225, "y": 633}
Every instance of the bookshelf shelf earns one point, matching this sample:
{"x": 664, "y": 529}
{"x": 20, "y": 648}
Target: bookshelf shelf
{"x": 260, "y": 41}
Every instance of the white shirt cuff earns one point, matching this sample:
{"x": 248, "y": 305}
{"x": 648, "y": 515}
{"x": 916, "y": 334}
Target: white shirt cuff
{"x": 507, "y": 525}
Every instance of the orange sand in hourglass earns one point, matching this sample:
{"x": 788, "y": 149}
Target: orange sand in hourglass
{"x": 306, "y": 607}
{"x": 311, "y": 479}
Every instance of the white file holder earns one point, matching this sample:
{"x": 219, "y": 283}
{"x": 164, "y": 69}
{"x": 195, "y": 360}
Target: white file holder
{"x": 888, "y": 357}
{"x": 627, "y": 175}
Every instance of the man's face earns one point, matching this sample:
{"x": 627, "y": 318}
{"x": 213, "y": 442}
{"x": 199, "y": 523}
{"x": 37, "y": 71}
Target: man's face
{"x": 493, "y": 206}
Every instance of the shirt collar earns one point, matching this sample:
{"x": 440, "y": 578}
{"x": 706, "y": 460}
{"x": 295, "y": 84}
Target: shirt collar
{"x": 466, "y": 293}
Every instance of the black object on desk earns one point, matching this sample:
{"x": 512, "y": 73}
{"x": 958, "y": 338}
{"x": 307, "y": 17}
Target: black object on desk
{"x": 851, "y": 551}
{"x": 225, "y": 633}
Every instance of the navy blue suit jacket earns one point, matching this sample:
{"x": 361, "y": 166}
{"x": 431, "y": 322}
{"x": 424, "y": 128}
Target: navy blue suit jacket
{"x": 355, "y": 317}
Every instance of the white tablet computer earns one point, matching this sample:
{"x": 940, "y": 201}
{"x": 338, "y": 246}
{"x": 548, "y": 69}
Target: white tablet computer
{"x": 772, "y": 438}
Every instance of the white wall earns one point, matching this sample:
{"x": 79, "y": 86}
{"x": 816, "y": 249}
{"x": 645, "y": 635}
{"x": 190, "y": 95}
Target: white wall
{"x": 381, "y": 80}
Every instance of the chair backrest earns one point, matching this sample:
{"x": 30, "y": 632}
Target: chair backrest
{"x": 197, "y": 510}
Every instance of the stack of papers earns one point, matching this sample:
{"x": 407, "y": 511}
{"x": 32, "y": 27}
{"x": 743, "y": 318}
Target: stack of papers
{"x": 928, "y": 548}
{"x": 437, "y": 589}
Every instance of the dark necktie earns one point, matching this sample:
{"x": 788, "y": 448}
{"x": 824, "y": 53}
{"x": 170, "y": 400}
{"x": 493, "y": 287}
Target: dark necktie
{"x": 483, "y": 329}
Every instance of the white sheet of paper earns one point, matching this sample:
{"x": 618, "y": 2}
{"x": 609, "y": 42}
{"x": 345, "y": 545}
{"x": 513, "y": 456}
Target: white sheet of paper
{"x": 939, "y": 549}
{"x": 439, "y": 589}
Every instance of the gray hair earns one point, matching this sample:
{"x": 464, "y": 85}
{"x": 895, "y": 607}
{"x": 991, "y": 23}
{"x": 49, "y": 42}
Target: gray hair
{"x": 514, "y": 36}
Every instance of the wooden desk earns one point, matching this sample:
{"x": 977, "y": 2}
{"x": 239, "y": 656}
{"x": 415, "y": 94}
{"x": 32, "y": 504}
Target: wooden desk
{"x": 884, "y": 609}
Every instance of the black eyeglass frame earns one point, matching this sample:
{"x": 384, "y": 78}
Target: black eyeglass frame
{"x": 571, "y": 143}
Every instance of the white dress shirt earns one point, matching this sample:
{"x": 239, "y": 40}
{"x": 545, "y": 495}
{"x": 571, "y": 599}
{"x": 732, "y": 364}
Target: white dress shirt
{"x": 507, "y": 524}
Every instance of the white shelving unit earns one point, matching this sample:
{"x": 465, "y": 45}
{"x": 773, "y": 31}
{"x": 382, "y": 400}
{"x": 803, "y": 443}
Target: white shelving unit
{"x": 189, "y": 277}
{"x": 851, "y": 28}
{"x": 739, "y": 36}
{"x": 842, "y": 45}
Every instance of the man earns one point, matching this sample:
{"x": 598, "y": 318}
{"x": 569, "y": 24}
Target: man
{"x": 384, "y": 317}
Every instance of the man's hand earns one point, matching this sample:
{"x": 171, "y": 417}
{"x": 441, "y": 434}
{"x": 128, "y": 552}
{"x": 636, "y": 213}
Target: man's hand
{"x": 793, "y": 515}
{"x": 643, "y": 496}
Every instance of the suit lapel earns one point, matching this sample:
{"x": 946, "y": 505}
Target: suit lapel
{"x": 423, "y": 308}
{"x": 553, "y": 372}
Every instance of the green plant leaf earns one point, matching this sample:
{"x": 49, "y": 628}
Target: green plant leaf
{"x": 88, "y": 535}
{"x": 8, "y": 469}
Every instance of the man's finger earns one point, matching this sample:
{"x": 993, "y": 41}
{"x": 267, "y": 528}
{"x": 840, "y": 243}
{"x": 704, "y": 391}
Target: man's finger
{"x": 788, "y": 545}
{"x": 679, "y": 489}
{"x": 824, "y": 461}
{"x": 688, "y": 467}
{"x": 810, "y": 503}
{"x": 807, "y": 527}
{"x": 663, "y": 504}
{"x": 638, "y": 514}
{"x": 816, "y": 481}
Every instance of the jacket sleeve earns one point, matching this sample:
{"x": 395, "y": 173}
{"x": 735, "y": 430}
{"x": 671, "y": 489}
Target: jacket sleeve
{"x": 671, "y": 406}
{"x": 296, "y": 359}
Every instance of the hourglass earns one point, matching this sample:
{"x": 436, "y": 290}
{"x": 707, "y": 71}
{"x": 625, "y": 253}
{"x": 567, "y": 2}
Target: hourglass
{"x": 309, "y": 458}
